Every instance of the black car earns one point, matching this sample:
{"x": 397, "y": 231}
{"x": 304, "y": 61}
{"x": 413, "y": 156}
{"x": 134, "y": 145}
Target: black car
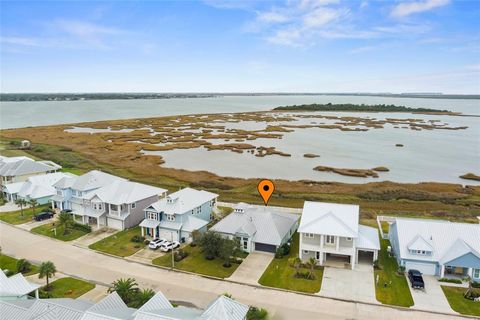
{"x": 66, "y": 211}
{"x": 43, "y": 216}
{"x": 416, "y": 279}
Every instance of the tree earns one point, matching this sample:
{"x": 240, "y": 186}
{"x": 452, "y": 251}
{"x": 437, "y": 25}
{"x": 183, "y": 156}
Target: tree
{"x": 141, "y": 297}
{"x": 23, "y": 266}
{"x": 65, "y": 220}
{"x": 226, "y": 249}
{"x": 255, "y": 313}
{"x": 33, "y": 203}
{"x": 126, "y": 289}
{"x": 311, "y": 271}
{"x": 210, "y": 243}
{"x": 21, "y": 203}
{"x": 196, "y": 237}
{"x": 47, "y": 270}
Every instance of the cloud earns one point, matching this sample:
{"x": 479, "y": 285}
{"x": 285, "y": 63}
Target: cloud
{"x": 362, "y": 49}
{"x": 407, "y": 8}
{"x": 272, "y": 17}
{"x": 21, "y": 41}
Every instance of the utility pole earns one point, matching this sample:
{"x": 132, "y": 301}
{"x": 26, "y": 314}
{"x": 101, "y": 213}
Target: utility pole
{"x": 173, "y": 260}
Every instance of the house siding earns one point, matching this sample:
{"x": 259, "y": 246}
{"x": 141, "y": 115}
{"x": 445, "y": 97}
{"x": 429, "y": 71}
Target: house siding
{"x": 392, "y": 234}
{"x": 137, "y": 215}
{"x": 467, "y": 261}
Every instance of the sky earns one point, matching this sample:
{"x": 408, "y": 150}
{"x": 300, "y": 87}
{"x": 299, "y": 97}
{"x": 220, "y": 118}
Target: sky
{"x": 240, "y": 46}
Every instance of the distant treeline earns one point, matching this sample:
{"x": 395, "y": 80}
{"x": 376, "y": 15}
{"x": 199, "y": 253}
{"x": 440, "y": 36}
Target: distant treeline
{"x": 357, "y": 107}
{"x": 95, "y": 96}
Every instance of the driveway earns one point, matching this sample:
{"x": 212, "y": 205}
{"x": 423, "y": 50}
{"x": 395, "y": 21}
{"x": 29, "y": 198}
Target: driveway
{"x": 252, "y": 267}
{"x": 9, "y": 206}
{"x": 146, "y": 255}
{"x": 33, "y": 224}
{"x": 93, "y": 237}
{"x": 432, "y": 298}
{"x": 357, "y": 284}
{"x": 200, "y": 291}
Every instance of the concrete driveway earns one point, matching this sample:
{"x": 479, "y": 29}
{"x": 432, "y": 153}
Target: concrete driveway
{"x": 357, "y": 284}
{"x": 252, "y": 267}
{"x": 93, "y": 237}
{"x": 432, "y": 298}
{"x": 9, "y": 206}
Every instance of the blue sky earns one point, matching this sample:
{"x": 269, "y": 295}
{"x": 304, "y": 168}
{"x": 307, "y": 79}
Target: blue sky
{"x": 241, "y": 46}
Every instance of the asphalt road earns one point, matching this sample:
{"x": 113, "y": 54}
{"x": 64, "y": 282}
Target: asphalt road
{"x": 188, "y": 288}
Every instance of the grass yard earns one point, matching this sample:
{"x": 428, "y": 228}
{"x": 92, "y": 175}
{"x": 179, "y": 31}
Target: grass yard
{"x": 196, "y": 262}
{"x": 459, "y": 303}
{"x": 9, "y": 263}
{"x": 119, "y": 244}
{"x": 396, "y": 292}
{"x": 47, "y": 230}
{"x": 16, "y": 217}
{"x": 280, "y": 274}
{"x": 67, "y": 288}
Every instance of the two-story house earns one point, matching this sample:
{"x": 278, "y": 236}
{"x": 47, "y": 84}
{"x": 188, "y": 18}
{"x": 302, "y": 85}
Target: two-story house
{"x": 437, "y": 247}
{"x": 332, "y": 231}
{"x": 19, "y": 169}
{"x": 177, "y": 215}
{"x": 103, "y": 199}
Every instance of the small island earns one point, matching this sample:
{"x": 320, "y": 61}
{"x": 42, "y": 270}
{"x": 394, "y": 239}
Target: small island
{"x": 470, "y": 176}
{"x": 311, "y": 155}
{"x": 361, "y": 108}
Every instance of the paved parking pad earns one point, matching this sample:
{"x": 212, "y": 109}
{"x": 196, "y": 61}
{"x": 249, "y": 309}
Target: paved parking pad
{"x": 357, "y": 284}
{"x": 252, "y": 267}
{"x": 432, "y": 298}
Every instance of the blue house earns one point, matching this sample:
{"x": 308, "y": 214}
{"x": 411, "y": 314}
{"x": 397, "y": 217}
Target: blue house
{"x": 437, "y": 247}
{"x": 177, "y": 215}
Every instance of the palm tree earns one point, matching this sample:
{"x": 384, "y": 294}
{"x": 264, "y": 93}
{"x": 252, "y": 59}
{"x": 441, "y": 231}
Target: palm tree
{"x": 47, "y": 270}
{"x": 126, "y": 289}
{"x": 33, "y": 203}
{"x": 65, "y": 220}
{"x": 21, "y": 203}
{"x": 141, "y": 297}
{"x": 311, "y": 264}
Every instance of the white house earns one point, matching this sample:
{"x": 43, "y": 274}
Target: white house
{"x": 437, "y": 247}
{"x": 16, "y": 287}
{"x": 177, "y": 215}
{"x": 332, "y": 231}
{"x": 19, "y": 169}
{"x": 103, "y": 199}
{"x": 39, "y": 187}
{"x": 258, "y": 228}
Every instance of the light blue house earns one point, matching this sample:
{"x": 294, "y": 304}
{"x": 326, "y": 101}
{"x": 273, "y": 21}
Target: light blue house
{"x": 177, "y": 215}
{"x": 437, "y": 247}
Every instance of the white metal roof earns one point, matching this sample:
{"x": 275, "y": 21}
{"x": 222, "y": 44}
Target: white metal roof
{"x": 149, "y": 223}
{"x": 367, "y": 238}
{"x": 23, "y": 165}
{"x": 448, "y": 240}
{"x": 193, "y": 223}
{"x": 123, "y": 191}
{"x": 182, "y": 201}
{"x": 264, "y": 224}
{"x": 39, "y": 186}
{"x": 330, "y": 219}
{"x": 158, "y": 301}
{"x": 16, "y": 285}
{"x": 226, "y": 309}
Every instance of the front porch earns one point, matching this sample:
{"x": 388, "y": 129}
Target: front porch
{"x": 96, "y": 222}
{"x": 453, "y": 272}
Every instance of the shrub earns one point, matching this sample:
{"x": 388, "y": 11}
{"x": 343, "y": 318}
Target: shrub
{"x": 8, "y": 273}
{"x": 255, "y": 313}
{"x": 376, "y": 264}
{"x": 82, "y": 227}
{"x": 291, "y": 261}
{"x": 146, "y": 242}
{"x": 23, "y": 266}
{"x": 401, "y": 270}
{"x": 279, "y": 253}
{"x": 286, "y": 249}
{"x": 137, "y": 238}
{"x": 179, "y": 255}
{"x": 472, "y": 294}
{"x": 304, "y": 275}
{"x": 475, "y": 284}
{"x": 450, "y": 280}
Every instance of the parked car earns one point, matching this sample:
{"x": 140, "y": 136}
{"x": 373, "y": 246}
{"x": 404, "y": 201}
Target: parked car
{"x": 156, "y": 243}
{"x": 66, "y": 211}
{"x": 167, "y": 246}
{"x": 416, "y": 279}
{"x": 43, "y": 216}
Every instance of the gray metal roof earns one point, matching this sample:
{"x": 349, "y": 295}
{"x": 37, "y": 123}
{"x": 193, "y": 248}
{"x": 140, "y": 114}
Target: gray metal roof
{"x": 24, "y": 166}
{"x": 224, "y": 308}
{"x": 182, "y": 201}
{"x": 158, "y": 301}
{"x": 367, "y": 238}
{"x": 264, "y": 224}
{"x": 16, "y": 285}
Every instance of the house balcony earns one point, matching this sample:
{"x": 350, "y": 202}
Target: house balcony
{"x": 349, "y": 251}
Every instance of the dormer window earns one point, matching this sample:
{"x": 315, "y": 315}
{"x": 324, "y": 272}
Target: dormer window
{"x": 170, "y": 217}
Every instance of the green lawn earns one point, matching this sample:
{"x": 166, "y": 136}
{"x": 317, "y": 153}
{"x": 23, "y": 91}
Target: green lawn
{"x": 9, "y": 263}
{"x": 196, "y": 262}
{"x": 48, "y": 230}
{"x": 396, "y": 291}
{"x": 119, "y": 244}
{"x": 76, "y": 171}
{"x": 67, "y": 288}
{"x": 16, "y": 217}
{"x": 280, "y": 274}
{"x": 459, "y": 303}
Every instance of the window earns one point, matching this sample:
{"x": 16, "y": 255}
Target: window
{"x": 59, "y": 192}
{"x": 198, "y": 210}
{"x": 245, "y": 243}
{"x": 349, "y": 239}
{"x": 74, "y": 192}
{"x": 170, "y": 217}
{"x": 152, "y": 215}
{"x": 309, "y": 235}
{"x": 330, "y": 239}
{"x": 134, "y": 205}
{"x": 306, "y": 251}
{"x": 476, "y": 273}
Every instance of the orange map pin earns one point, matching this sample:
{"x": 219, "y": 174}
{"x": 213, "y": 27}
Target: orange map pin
{"x": 265, "y": 188}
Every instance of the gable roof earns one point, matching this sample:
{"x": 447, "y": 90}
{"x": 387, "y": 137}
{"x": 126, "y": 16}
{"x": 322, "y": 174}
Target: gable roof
{"x": 23, "y": 165}
{"x": 419, "y": 243}
{"x": 367, "y": 238}
{"x": 16, "y": 285}
{"x": 40, "y": 186}
{"x": 448, "y": 240}
{"x": 93, "y": 180}
{"x": 123, "y": 191}
{"x": 182, "y": 201}
{"x": 330, "y": 219}
{"x": 263, "y": 224}
{"x": 224, "y": 308}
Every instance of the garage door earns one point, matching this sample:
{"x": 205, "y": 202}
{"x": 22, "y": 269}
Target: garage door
{"x": 425, "y": 268}
{"x": 265, "y": 247}
{"x": 169, "y": 235}
{"x": 114, "y": 223}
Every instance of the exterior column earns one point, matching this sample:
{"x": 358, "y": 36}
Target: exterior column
{"x": 337, "y": 243}
{"x": 352, "y": 260}
{"x": 300, "y": 249}
{"x": 98, "y": 222}
{"x": 53, "y": 205}
{"x": 143, "y": 231}
{"x": 442, "y": 271}
{"x": 470, "y": 273}
{"x": 321, "y": 258}
{"x": 36, "y": 294}
{"x": 375, "y": 255}
{"x": 322, "y": 237}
